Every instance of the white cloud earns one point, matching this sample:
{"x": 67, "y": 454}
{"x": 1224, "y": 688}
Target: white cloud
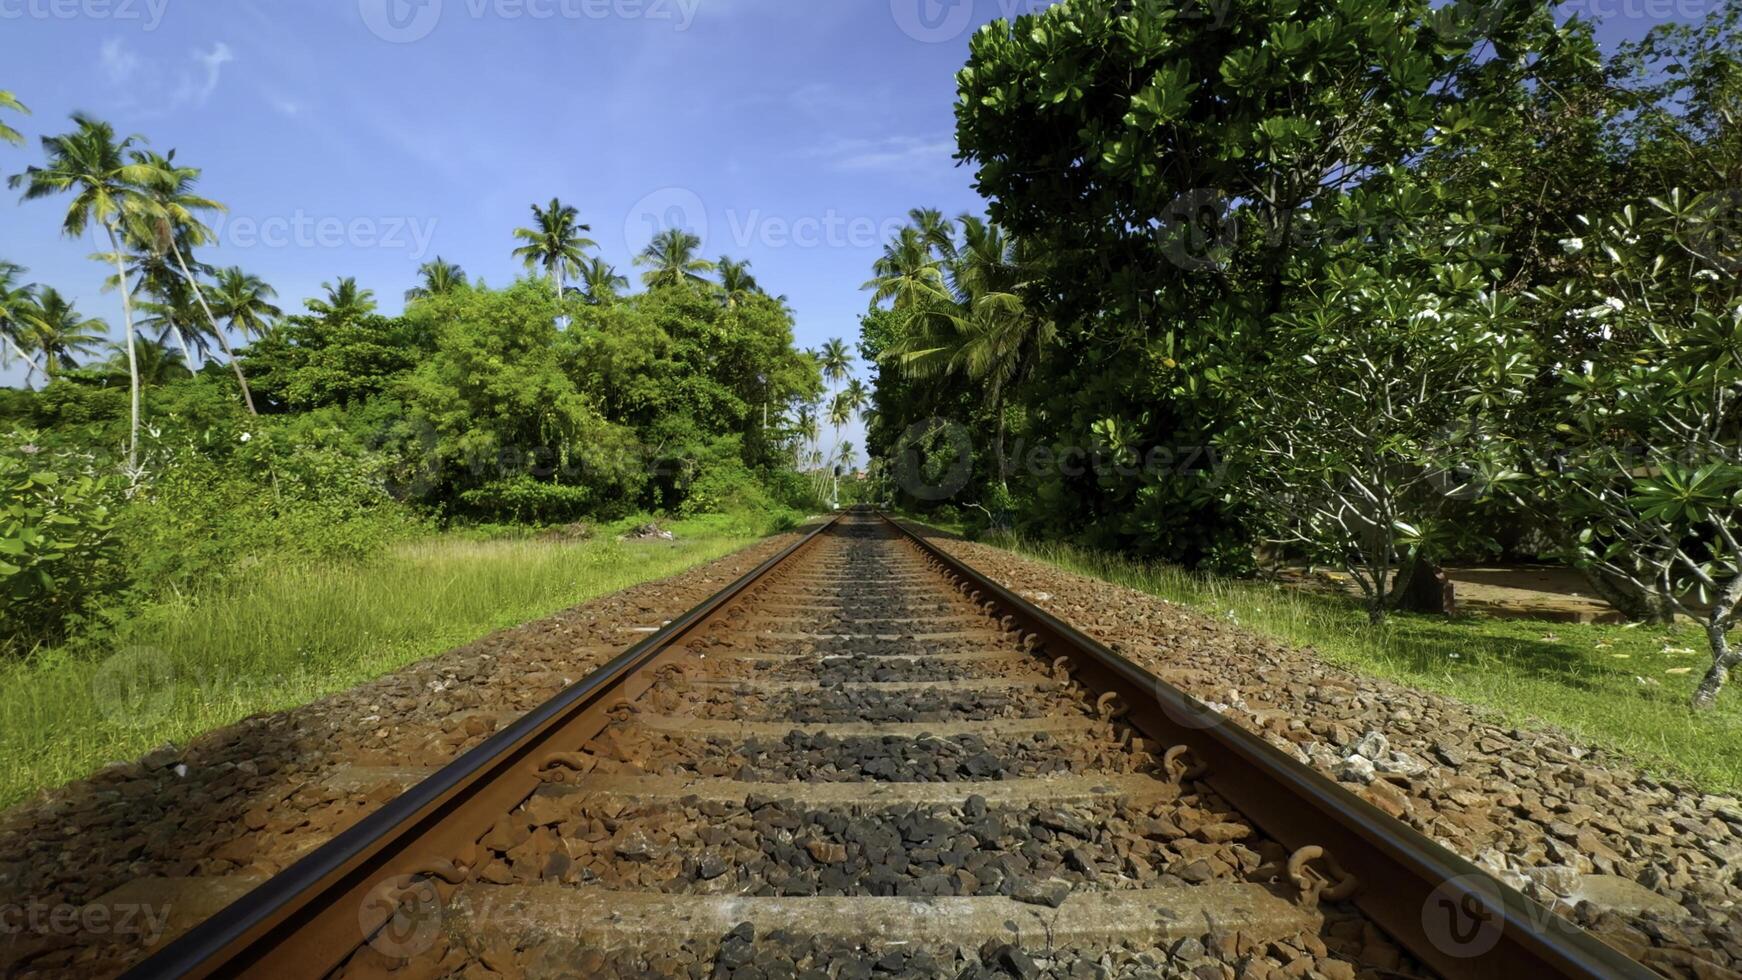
{"x": 119, "y": 64}
{"x": 197, "y": 87}
{"x": 898, "y": 153}
{"x": 152, "y": 87}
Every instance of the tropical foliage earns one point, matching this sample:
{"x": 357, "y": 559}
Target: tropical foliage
{"x": 1291, "y": 287}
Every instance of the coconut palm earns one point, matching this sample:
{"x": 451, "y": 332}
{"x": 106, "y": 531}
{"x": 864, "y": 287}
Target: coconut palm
{"x": 909, "y": 273}
{"x": 92, "y": 165}
{"x": 671, "y": 260}
{"x": 736, "y": 282}
{"x": 158, "y": 364}
{"x": 555, "y": 242}
{"x": 600, "y": 282}
{"x": 344, "y": 299}
{"x": 244, "y": 302}
{"x": 7, "y": 133}
{"x": 440, "y": 277}
{"x": 171, "y": 226}
{"x": 15, "y": 298}
{"x": 58, "y": 331}
{"x": 934, "y": 230}
{"x": 986, "y": 335}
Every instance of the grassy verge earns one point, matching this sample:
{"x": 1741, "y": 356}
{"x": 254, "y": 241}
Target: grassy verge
{"x": 1624, "y": 688}
{"x": 290, "y": 633}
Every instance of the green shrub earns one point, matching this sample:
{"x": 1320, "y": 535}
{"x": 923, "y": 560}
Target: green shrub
{"x": 528, "y": 500}
{"x": 58, "y": 549}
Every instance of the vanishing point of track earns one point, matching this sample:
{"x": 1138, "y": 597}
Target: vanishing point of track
{"x": 865, "y": 758}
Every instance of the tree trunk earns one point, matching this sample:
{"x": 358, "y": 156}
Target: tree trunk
{"x": 30, "y": 367}
{"x": 132, "y": 355}
{"x": 1725, "y": 658}
{"x": 200, "y": 296}
{"x": 998, "y": 440}
{"x": 1630, "y": 601}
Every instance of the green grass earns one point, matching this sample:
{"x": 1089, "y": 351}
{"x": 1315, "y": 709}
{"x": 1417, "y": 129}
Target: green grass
{"x": 290, "y": 633}
{"x": 1624, "y": 688}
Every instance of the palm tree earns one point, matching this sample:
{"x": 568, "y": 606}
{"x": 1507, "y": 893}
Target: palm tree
{"x": 440, "y": 278}
{"x": 836, "y": 360}
{"x": 346, "y": 299}
{"x": 600, "y": 282}
{"x": 7, "y": 133}
{"x": 172, "y": 226}
{"x": 15, "y": 299}
{"x": 671, "y": 260}
{"x": 92, "y": 165}
{"x": 555, "y": 242}
{"x": 736, "y": 282}
{"x": 807, "y": 433}
{"x": 910, "y": 273}
{"x": 986, "y": 334}
{"x": 158, "y": 364}
{"x": 58, "y": 331}
{"x": 244, "y": 303}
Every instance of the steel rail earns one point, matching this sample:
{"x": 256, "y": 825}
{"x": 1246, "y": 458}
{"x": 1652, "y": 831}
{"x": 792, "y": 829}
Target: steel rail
{"x": 1444, "y": 910}
{"x": 309, "y": 919}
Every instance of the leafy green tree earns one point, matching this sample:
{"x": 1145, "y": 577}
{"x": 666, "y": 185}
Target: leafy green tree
{"x": 440, "y": 277}
{"x": 1641, "y": 457}
{"x": 555, "y": 242}
{"x": 7, "y": 133}
{"x": 505, "y": 418}
{"x": 600, "y": 282}
{"x": 672, "y": 261}
{"x": 92, "y": 165}
{"x": 1178, "y": 171}
{"x": 58, "y": 331}
{"x": 344, "y": 299}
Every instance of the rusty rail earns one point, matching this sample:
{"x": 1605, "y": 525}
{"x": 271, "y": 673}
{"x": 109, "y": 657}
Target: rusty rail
{"x": 1447, "y": 912}
{"x": 308, "y": 920}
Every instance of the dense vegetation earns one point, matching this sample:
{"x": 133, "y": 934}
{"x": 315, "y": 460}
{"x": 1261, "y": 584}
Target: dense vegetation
{"x": 226, "y": 432}
{"x": 1380, "y": 284}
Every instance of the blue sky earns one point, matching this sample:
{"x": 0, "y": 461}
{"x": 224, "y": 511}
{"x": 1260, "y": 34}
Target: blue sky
{"x": 363, "y": 137}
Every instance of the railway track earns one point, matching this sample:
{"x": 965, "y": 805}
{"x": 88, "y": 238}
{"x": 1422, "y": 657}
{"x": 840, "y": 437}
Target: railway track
{"x": 864, "y": 759}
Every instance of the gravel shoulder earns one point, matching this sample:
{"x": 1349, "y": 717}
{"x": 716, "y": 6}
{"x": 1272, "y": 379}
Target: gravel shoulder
{"x": 1652, "y": 866}
{"x": 248, "y": 800}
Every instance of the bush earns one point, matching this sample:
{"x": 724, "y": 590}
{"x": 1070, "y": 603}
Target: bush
{"x": 525, "y": 499}
{"x": 58, "y": 549}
